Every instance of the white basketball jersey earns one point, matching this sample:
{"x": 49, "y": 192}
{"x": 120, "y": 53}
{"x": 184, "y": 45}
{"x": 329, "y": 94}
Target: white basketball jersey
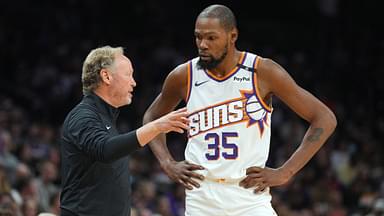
{"x": 230, "y": 125}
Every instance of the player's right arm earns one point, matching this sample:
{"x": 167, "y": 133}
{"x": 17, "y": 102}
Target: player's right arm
{"x": 174, "y": 90}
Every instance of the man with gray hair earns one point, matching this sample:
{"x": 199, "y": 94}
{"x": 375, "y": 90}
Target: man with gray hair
{"x": 95, "y": 177}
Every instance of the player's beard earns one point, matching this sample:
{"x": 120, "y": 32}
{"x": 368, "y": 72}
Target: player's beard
{"x": 213, "y": 62}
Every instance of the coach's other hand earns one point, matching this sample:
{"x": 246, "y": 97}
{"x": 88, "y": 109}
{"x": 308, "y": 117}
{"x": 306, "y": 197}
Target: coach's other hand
{"x": 261, "y": 178}
{"x": 183, "y": 172}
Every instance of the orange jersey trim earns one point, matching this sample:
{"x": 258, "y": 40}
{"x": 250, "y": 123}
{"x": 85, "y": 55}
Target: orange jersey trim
{"x": 189, "y": 81}
{"x": 263, "y": 104}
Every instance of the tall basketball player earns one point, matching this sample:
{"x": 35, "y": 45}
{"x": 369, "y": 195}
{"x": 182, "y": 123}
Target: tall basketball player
{"x": 228, "y": 94}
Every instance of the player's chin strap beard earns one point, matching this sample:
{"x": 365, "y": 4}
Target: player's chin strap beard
{"x": 250, "y": 69}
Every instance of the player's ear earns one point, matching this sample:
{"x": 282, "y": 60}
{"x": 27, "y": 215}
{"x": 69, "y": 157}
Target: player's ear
{"x": 233, "y": 34}
{"x": 105, "y": 76}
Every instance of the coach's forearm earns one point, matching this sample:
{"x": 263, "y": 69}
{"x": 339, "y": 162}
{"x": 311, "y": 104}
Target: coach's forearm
{"x": 146, "y": 133}
{"x": 120, "y": 146}
{"x": 316, "y": 135}
{"x": 158, "y": 144}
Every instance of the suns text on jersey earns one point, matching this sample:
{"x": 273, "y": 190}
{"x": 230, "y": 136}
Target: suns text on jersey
{"x": 216, "y": 116}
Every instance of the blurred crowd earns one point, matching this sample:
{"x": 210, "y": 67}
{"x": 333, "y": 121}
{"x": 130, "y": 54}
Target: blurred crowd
{"x": 333, "y": 48}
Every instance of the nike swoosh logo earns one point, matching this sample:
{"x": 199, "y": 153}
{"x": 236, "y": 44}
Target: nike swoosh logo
{"x": 200, "y": 83}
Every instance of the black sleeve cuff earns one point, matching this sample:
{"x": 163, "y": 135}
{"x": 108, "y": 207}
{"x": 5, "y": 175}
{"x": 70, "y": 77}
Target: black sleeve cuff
{"x": 120, "y": 146}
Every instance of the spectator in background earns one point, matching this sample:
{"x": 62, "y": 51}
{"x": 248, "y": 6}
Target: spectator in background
{"x": 45, "y": 185}
{"x": 7, "y": 160}
{"x": 30, "y": 207}
{"x": 8, "y": 207}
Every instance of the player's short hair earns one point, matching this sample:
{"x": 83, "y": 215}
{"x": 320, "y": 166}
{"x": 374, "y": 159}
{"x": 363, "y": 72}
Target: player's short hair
{"x": 221, "y": 12}
{"x": 97, "y": 59}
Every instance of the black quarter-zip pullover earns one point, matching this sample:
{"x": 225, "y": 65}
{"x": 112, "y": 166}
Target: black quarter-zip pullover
{"x": 94, "y": 157}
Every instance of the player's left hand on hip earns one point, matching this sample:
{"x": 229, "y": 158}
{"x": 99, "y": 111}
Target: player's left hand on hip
{"x": 261, "y": 178}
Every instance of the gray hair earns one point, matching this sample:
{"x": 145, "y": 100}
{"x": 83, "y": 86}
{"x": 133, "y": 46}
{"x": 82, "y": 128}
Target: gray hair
{"x": 97, "y": 59}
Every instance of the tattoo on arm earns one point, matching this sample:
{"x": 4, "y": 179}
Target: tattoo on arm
{"x": 315, "y": 136}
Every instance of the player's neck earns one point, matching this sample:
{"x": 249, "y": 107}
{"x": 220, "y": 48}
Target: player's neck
{"x": 226, "y": 66}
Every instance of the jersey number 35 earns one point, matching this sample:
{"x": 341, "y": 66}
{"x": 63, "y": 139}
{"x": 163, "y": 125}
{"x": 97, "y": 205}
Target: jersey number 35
{"x": 227, "y": 150}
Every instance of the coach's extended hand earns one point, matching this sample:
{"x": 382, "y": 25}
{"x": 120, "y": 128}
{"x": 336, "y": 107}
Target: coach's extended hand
{"x": 261, "y": 178}
{"x": 183, "y": 173}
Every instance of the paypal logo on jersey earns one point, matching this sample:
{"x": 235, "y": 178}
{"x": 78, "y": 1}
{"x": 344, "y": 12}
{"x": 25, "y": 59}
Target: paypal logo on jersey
{"x": 241, "y": 79}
